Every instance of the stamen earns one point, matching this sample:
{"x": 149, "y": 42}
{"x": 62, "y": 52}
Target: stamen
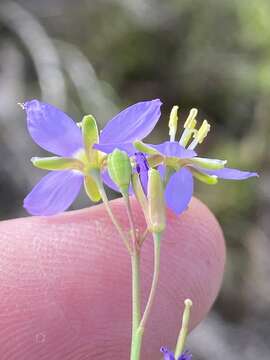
{"x": 200, "y": 135}
{"x": 173, "y": 122}
{"x": 189, "y": 127}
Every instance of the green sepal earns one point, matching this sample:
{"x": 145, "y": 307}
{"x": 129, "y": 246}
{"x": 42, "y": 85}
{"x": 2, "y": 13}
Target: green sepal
{"x": 57, "y": 163}
{"x": 120, "y": 169}
{"x": 205, "y": 178}
{"x": 91, "y": 188}
{"x": 210, "y": 164}
{"x": 155, "y": 194}
{"x": 90, "y": 132}
{"x": 144, "y": 148}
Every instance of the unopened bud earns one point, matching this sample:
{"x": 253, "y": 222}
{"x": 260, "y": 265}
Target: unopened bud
{"x": 120, "y": 169}
{"x": 156, "y": 205}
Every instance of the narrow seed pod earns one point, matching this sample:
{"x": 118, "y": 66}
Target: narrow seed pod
{"x": 120, "y": 169}
{"x": 156, "y": 207}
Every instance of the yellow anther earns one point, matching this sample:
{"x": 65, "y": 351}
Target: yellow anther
{"x": 173, "y": 121}
{"x": 191, "y": 119}
{"x": 202, "y": 132}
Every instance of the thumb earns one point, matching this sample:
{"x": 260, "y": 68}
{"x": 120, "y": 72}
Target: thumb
{"x": 65, "y": 283}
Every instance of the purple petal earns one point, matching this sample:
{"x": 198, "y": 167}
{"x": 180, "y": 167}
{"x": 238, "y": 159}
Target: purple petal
{"x": 54, "y": 193}
{"x": 179, "y": 190}
{"x": 52, "y": 129}
{"x": 230, "y": 174}
{"x": 173, "y": 148}
{"x": 108, "y": 148}
{"x": 168, "y": 355}
{"x": 133, "y": 123}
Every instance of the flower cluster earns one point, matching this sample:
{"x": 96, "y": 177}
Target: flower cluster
{"x": 81, "y": 151}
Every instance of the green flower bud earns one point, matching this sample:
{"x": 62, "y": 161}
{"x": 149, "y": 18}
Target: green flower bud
{"x": 156, "y": 207}
{"x": 120, "y": 169}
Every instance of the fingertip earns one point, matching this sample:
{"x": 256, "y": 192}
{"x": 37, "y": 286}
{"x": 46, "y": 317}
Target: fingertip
{"x": 70, "y": 275}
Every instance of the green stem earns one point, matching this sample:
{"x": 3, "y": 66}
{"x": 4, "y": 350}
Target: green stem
{"x": 136, "y": 301}
{"x": 131, "y": 221}
{"x": 105, "y": 200}
{"x": 137, "y": 341}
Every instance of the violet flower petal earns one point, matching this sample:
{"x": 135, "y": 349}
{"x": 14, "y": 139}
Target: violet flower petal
{"x": 179, "y": 190}
{"x": 133, "y": 123}
{"x": 52, "y": 129}
{"x": 108, "y": 148}
{"x": 168, "y": 355}
{"x": 173, "y": 148}
{"x": 54, "y": 193}
{"x": 230, "y": 174}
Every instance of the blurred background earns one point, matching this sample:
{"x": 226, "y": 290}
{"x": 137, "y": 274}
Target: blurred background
{"x": 101, "y": 56}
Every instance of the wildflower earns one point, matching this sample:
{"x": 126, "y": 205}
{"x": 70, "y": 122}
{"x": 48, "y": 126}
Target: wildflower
{"x": 168, "y": 355}
{"x": 178, "y": 162}
{"x": 57, "y": 133}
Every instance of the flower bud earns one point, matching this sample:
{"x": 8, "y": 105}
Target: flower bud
{"x": 120, "y": 169}
{"x": 156, "y": 207}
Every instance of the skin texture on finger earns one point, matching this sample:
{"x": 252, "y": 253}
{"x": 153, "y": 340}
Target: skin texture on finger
{"x": 65, "y": 283}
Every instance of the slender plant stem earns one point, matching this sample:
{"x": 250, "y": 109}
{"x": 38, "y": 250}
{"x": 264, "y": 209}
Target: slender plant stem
{"x": 110, "y": 213}
{"x": 143, "y": 236}
{"x": 131, "y": 221}
{"x": 136, "y": 346}
{"x": 136, "y": 300}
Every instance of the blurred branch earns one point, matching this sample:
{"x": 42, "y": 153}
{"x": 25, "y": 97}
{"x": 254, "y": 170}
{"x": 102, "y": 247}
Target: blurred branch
{"x": 41, "y": 49}
{"x": 83, "y": 76}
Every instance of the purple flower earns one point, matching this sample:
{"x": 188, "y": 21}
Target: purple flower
{"x": 57, "y": 133}
{"x": 168, "y": 355}
{"x": 178, "y": 163}
{"x": 184, "y": 165}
